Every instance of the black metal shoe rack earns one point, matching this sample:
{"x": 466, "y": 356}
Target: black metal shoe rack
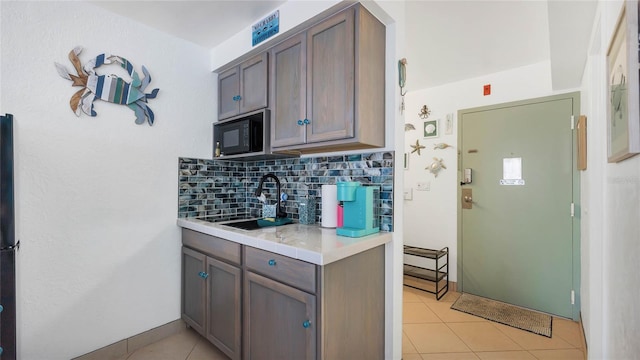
{"x": 436, "y": 275}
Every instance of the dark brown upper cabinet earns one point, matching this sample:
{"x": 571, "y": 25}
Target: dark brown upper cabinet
{"x": 327, "y": 85}
{"x": 243, "y": 88}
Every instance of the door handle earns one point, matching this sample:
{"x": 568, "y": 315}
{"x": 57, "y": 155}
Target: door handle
{"x": 467, "y": 198}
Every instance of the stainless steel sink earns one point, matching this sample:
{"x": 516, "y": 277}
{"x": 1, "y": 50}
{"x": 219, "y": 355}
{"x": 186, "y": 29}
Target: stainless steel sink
{"x": 245, "y": 225}
{"x": 259, "y": 223}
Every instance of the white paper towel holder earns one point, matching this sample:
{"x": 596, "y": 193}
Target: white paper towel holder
{"x": 329, "y": 206}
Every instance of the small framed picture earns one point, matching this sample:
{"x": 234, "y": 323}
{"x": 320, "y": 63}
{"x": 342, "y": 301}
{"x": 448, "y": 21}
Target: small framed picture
{"x": 448, "y": 127}
{"x": 623, "y": 128}
{"x": 431, "y": 129}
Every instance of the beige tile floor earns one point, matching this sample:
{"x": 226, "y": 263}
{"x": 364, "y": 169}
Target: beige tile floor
{"x": 186, "y": 345}
{"x": 431, "y": 331}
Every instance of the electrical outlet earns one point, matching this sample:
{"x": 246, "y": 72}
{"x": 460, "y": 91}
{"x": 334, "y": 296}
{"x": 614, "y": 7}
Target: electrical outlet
{"x": 424, "y": 186}
{"x": 408, "y": 194}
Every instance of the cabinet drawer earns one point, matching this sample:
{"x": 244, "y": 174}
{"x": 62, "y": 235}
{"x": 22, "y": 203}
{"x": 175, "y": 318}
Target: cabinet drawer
{"x": 282, "y": 268}
{"x": 211, "y": 245}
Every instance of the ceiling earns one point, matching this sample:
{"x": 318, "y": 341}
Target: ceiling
{"x": 447, "y": 41}
{"x": 204, "y": 22}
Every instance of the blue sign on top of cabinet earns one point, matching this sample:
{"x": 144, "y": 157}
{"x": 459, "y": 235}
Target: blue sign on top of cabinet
{"x": 265, "y": 28}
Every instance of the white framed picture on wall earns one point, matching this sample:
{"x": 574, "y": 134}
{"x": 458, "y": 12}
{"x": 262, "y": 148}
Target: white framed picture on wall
{"x": 431, "y": 129}
{"x": 623, "y": 123}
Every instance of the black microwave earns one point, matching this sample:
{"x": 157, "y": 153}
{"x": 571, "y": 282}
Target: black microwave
{"x": 242, "y": 136}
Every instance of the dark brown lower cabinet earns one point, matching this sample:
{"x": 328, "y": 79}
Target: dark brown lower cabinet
{"x": 297, "y": 310}
{"x": 223, "y": 307}
{"x": 193, "y": 289}
{"x": 211, "y": 290}
{"x": 281, "y": 320}
{"x": 255, "y": 304}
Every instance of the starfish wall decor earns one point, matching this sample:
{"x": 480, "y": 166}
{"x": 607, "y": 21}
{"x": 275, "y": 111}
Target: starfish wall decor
{"x": 417, "y": 147}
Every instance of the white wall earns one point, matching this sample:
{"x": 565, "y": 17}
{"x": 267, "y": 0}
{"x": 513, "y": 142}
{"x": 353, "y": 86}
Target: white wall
{"x": 292, "y": 14}
{"x": 97, "y": 197}
{"x": 431, "y": 216}
{"x": 592, "y": 196}
{"x": 610, "y": 244}
{"x": 393, "y": 15}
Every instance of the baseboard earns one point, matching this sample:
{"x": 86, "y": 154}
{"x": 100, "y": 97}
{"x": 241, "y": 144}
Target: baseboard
{"x": 131, "y": 344}
{"x": 584, "y": 338}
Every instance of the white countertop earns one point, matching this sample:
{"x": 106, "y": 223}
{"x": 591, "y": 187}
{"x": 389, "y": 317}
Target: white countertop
{"x": 310, "y": 243}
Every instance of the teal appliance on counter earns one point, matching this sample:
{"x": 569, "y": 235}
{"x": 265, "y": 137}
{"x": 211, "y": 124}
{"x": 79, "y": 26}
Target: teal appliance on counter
{"x": 360, "y": 209}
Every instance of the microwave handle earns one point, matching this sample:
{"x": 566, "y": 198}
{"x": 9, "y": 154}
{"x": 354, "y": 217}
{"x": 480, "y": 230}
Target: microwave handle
{"x": 257, "y": 136}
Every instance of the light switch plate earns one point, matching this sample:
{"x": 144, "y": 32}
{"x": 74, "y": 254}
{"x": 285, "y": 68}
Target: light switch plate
{"x": 408, "y": 194}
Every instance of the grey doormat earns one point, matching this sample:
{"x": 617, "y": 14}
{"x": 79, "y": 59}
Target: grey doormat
{"x": 506, "y": 314}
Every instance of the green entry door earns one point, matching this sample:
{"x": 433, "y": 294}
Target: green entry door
{"x": 516, "y": 241}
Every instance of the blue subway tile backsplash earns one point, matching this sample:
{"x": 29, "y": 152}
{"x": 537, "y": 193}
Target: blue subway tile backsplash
{"x": 219, "y": 190}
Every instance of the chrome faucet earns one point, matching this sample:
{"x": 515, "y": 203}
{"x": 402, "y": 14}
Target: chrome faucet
{"x": 279, "y": 212}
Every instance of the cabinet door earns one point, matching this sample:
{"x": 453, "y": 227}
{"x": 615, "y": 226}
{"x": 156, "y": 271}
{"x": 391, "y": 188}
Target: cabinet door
{"x": 223, "y": 305}
{"x": 193, "y": 289}
{"x": 330, "y": 78}
{"x": 228, "y": 93}
{"x": 287, "y": 90}
{"x": 253, "y": 83}
{"x": 279, "y": 320}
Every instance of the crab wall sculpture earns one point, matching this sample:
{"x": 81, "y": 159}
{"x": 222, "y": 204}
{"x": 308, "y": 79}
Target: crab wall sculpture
{"x": 109, "y": 88}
